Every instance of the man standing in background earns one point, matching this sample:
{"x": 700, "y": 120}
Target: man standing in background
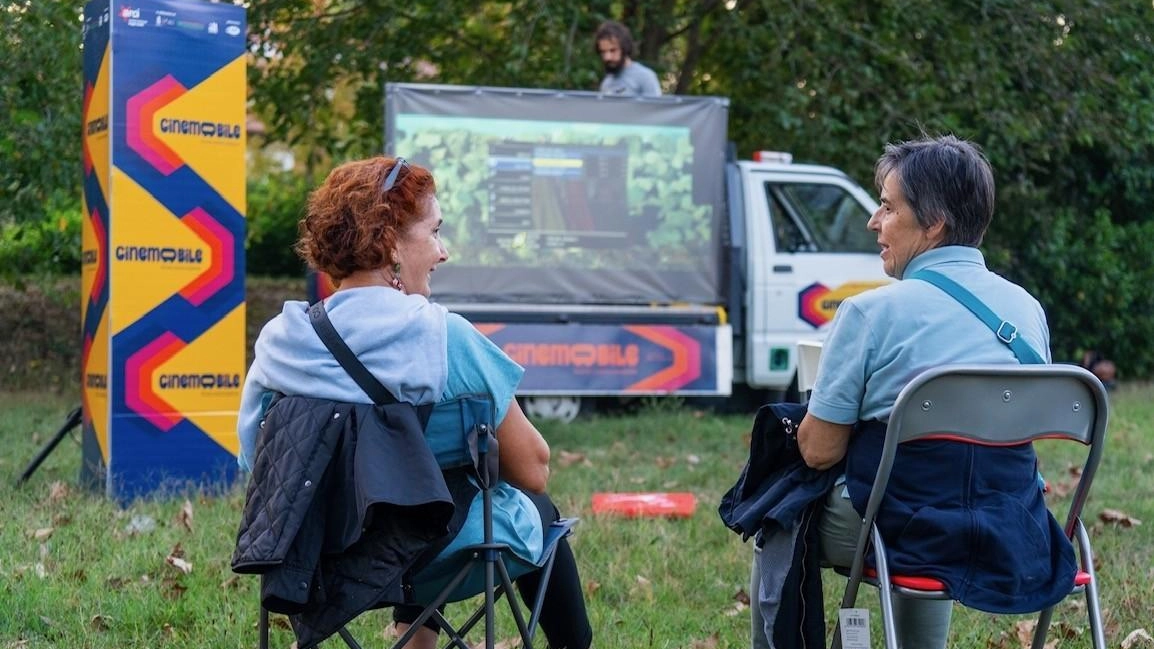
{"x": 623, "y": 75}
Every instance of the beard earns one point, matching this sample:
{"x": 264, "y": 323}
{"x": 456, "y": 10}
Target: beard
{"x": 612, "y": 67}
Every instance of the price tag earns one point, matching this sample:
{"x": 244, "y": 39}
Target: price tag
{"x": 855, "y": 628}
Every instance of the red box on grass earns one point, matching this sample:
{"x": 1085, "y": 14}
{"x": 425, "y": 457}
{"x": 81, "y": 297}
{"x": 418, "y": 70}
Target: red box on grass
{"x": 633, "y": 505}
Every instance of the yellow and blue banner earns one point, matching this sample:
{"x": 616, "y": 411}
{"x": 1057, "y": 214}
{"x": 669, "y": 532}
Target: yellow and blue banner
{"x": 163, "y": 273}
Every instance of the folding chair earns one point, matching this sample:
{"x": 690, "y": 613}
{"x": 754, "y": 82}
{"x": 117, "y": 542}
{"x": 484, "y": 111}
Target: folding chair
{"x": 485, "y": 569}
{"x": 996, "y": 405}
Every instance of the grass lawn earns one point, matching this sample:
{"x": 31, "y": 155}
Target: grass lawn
{"x": 78, "y": 571}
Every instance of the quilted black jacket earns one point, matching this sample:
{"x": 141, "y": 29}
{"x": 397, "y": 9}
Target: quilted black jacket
{"x": 344, "y": 498}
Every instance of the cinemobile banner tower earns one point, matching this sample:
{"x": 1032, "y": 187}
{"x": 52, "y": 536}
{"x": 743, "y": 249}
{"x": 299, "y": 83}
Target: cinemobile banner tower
{"x": 162, "y": 294}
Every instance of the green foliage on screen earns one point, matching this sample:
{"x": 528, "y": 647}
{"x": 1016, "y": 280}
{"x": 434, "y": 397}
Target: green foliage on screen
{"x": 673, "y": 232}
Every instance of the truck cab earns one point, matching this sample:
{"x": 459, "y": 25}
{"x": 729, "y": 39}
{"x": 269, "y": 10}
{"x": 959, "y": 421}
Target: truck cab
{"x": 799, "y": 247}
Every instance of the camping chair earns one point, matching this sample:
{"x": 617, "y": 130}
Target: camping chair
{"x": 485, "y": 568}
{"x": 1000, "y": 405}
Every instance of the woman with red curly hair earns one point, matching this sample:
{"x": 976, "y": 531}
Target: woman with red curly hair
{"x": 374, "y": 226}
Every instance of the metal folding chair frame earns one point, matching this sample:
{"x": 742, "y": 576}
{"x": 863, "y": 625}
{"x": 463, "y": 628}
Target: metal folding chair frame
{"x": 994, "y": 405}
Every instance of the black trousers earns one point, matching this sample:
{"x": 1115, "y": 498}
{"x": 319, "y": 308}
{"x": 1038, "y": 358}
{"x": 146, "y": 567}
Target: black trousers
{"x": 564, "y": 620}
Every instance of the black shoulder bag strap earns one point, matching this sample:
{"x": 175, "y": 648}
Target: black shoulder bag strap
{"x": 345, "y": 356}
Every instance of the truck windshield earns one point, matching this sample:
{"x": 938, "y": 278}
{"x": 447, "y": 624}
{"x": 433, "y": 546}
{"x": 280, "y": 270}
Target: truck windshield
{"x": 813, "y": 217}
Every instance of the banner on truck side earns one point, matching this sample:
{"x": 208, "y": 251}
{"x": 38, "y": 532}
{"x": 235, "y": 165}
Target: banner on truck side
{"x": 618, "y": 359}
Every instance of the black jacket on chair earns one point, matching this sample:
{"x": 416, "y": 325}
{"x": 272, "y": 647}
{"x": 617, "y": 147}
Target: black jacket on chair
{"x": 343, "y": 500}
{"x": 778, "y": 494}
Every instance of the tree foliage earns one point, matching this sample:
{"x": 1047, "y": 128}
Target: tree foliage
{"x": 40, "y": 90}
{"x": 1060, "y": 95}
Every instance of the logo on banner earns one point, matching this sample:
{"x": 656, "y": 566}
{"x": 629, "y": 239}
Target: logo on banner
{"x": 573, "y": 354}
{"x": 161, "y": 255}
{"x": 177, "y": 126}
{"x": 132, "y": 16}
{"x": 816, "y": 303}
{"x": 199, "y": 381}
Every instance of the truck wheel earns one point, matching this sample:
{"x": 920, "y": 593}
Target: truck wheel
{"x": 564, "y": 409}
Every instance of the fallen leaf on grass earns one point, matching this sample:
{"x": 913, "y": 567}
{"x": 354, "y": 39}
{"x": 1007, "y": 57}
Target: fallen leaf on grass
{"x": 57, "y": 491}
{"x": 592, "y": 586}
{"x": 692, "y": 459}
{"x": 1121, "y": 518}
{"x": 569, "y": 458}
{"x": 1061, "y": 488}
{"x": 43, "y": 534}
{"x": 184, "y": 518}
{"x": 178, "y": 563}
{"x": 176, "y": 559}
{"x": 231, "y": 582}
{"x": 98, "y": 623}
{"x": 1024, "y": 630}
{"x": 737, "y": 609}
{"x": 741, "y": 596}
{"x": 664, "y": 462}
{"x": 1137, "y": 638}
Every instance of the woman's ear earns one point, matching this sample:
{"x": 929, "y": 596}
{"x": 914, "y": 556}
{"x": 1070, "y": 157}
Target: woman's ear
{"x": 937, "y": 232}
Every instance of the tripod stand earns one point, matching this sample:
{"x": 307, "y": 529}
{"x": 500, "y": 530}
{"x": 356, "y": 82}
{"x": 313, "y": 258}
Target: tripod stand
{"x": 73, "y": 421}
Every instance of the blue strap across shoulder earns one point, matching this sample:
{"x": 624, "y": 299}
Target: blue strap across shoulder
{"x": 1003, "y": 329}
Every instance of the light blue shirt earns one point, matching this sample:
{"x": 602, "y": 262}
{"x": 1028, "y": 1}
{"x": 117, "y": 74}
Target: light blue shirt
{"x": 477, "y": 366}
{"x": 882, "y": 338}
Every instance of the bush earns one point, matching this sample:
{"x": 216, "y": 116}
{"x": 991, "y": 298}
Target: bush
{"x": 276, "y": 202}
{"x": 50, "y": 246}
{"x": 41, "y": 322}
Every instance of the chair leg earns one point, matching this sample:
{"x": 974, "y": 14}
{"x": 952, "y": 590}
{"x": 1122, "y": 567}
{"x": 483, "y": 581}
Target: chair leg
{"x": 539, "y": 600}
{"x": 348, "y": 638}
{"x": 490, "y": 599}
{"x": 515, "y": 608}
{"x": 1042, "y": 628}
{"x": 885, "y": 592}
{"x": 1093, "y": 606}
{"x": 263, "y": 630}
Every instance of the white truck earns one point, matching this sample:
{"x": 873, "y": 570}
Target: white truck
{"x": 615, "y": 247}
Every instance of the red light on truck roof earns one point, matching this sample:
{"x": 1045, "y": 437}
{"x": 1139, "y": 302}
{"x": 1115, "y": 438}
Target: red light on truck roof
{"x": 773, "y": 156}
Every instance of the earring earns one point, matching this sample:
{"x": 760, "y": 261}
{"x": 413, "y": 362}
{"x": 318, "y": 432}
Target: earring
{"x": 396, "y": 283}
